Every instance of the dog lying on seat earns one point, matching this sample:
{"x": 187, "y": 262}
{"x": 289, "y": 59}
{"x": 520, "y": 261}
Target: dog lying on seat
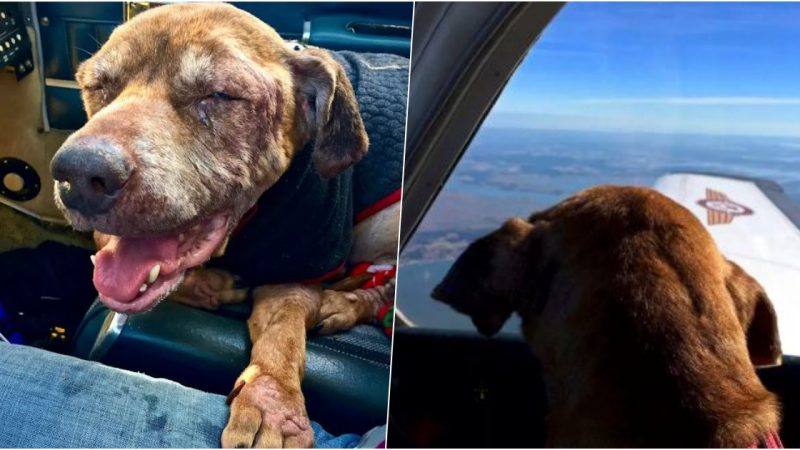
{"x": 647, "y": 335}
{"x": 196, "y": 112}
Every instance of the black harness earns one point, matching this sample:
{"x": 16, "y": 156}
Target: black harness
{"x": 301, "y": 228}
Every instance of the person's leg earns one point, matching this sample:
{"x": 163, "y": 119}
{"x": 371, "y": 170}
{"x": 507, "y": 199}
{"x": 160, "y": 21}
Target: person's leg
{"x": 51, "y": 400}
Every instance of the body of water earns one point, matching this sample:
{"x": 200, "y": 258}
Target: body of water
{"x": 509, "y": 172}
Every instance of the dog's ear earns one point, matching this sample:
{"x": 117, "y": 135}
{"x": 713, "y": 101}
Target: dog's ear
{"x": 468, "y": 287}
{"x": 468, "y": 277}
{"x": 327, "y": 106}
{"x": 484, "y": 279}
{"x": 757, "y": 316}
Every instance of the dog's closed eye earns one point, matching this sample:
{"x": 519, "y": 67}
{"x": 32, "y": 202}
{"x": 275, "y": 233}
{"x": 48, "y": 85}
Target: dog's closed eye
{"x": 224, "y": 96}
{"x": 206, "y": 105}
{"x": 99, "y": 92}
{"x": 94, "y": 87}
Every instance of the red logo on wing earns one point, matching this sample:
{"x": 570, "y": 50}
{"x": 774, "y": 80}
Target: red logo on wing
{"x": 721, "y": 209}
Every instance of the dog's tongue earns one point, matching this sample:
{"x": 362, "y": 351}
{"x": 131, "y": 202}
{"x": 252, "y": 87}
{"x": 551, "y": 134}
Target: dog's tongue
{"x": 124, "y": 263}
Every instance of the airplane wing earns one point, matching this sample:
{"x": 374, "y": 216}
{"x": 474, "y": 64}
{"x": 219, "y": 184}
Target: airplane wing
{"x": 755, "y": 225}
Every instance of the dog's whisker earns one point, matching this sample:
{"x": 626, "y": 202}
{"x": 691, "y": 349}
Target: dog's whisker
{"x": 96, "y": 41}
{"x": 88, "y": 53}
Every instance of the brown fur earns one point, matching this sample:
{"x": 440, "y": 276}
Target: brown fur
{"x": 343, "y": 310}
{"x": 162, "y": 67}
{"x": 269, "y": 408}
{"x": 267, "y": 404}
{"x": 647, "y": 334}
{"x": 150, "y": 91}
{"x": 208, "y": 289}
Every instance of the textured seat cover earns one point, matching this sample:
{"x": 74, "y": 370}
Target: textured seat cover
{"x": 347, "y": 374}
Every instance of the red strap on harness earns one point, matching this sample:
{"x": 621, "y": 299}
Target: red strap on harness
{"x": 248, "y": 216}
{"x": 324, "y": 277}
{"x": 380, "y": 275}
{"x": 381, "y": 204}
{"x": 385, "y": 202}
{"x": 771, "y": 440}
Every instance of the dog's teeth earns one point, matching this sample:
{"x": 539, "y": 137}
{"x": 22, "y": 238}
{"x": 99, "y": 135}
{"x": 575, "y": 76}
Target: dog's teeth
{"x": 151, "y": 277}
{"x": 93, "y": 259}
{"x": 143, "y": 288}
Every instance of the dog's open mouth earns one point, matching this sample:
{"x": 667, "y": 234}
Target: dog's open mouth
{"x": 133, "y": 274}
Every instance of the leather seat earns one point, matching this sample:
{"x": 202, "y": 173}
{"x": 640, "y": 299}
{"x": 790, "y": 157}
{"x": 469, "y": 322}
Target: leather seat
{"x": 347, "y": 374}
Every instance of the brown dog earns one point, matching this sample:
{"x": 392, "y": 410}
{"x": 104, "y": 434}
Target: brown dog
{"x": 643, "y": 328}
{"x": 195, "y": 110}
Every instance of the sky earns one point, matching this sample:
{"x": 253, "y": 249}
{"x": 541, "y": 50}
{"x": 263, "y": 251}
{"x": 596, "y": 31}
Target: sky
{"x": 712, "y": 68}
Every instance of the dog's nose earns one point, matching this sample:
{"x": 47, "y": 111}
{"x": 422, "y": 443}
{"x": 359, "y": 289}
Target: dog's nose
{"x": 89, "y": 175}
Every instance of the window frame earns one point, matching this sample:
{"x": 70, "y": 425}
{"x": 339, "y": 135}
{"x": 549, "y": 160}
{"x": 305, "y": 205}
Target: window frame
{"x": 461, "y": 61}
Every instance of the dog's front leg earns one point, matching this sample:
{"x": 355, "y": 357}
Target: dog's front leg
{"x": 267, "y": 405}
{"x": 208, "y": 289}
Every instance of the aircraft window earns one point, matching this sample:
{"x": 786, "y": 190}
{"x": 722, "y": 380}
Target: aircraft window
{"x": 618, "y": 93}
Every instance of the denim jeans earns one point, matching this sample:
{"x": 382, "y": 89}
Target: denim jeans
{"x": 52, "y": 400}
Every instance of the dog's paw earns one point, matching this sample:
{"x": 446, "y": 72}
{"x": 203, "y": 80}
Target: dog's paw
{"x": 266, "y": 414}
{"x": 208, "y": 289}
{"x": 340, "y": 311}
{"x": 344, "y": 310}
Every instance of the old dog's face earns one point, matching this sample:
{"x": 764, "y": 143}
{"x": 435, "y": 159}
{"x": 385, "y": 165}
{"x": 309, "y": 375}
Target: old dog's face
{"x": 194, "y": 110}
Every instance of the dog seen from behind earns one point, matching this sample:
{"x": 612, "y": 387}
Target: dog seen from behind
{"x": 647, "y": 335}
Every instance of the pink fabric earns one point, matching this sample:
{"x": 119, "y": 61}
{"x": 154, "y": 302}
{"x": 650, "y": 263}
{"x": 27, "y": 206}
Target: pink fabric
{"x": 771, "y": 440}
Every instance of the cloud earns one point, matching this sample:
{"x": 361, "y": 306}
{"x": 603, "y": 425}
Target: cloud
{"x": 697, "y": 101}
{"x": 641, "y": 123}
